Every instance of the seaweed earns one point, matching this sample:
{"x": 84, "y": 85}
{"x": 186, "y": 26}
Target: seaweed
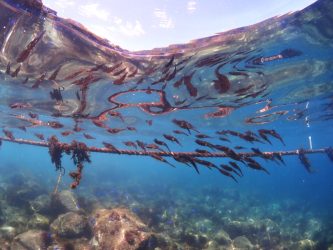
{"x": 304, "y": 160}
{"x": 79, "y": 155}
{"x": 79, "y": 152}
{"x": 328, "y": 151}
{"x": 55, "y": 151}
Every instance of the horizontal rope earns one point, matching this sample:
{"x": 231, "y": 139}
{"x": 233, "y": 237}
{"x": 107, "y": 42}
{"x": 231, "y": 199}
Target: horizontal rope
{"x": 168, "y": 154}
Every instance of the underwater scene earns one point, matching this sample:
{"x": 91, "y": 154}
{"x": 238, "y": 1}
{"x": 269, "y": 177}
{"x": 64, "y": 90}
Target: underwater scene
{"x": 222, "y": 143}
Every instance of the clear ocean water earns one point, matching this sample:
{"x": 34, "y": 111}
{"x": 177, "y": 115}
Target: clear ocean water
{"x": 58, "y": 79}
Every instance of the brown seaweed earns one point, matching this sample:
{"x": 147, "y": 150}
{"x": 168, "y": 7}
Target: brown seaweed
{"x": 305, "y": 161}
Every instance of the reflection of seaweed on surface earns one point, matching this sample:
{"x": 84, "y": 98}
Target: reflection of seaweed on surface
{"x": 305, "y": 161}
{"x": 55, "y": 94}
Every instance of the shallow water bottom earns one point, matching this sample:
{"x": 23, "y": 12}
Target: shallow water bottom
{"x": 178, "y": 210}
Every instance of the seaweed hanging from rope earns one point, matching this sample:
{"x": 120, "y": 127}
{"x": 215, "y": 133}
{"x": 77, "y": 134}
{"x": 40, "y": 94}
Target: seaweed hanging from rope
{"x": 55, "y": 151}
{"x": 79, "y": 152}
{"x": 305, "y": 160}
{"x": 79, "y": 155}
{"x": 329, "y": 153}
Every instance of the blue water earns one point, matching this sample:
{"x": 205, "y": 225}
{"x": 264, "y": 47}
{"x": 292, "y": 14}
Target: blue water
{"x": 289, "y": 204}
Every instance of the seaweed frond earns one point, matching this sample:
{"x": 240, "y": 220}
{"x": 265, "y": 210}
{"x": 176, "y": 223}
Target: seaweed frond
{"x": 80, "y": 154}
{"x": 55, "y": 151}
{"x": 329, "y": 153}
{"x": 305, "y": 161}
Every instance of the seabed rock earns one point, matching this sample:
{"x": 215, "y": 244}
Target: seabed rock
{"x": 213, "y": 245}
{"x": 39, "y": 221}
{"x": 118, "y": 229}
{"x": 7, "y": 232}
{"x": 16, "y": 218}
{"x": 314, "y": 227}
{"x": 42, "y": 204}
{"x": 73, "y": 244}
{"x": 70, "y": 225}
{"x": 241, "y": 242}
{"x": 222, "y": 237}
{"x": 5, "y": 244}
{"x": 305, "y": 244}
{"x": 32, "y": 239}
{"x": 19, "y": 196}
{"x": 203, "y": 226}
{"x": 239, "y": 228}
{"x": 161, "y": 241}
{"x": 66, "y": 201}
{"x": 198, "y": 241}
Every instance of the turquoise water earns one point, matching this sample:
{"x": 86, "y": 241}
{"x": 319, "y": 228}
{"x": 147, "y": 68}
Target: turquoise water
{"x": 275, "y": 75}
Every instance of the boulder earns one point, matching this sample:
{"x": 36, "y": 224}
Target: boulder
{"x": 239, "y": 228}
{"x": 305, "y": 244}
{"x": 241, "y": 242}
{"x": 70, "y": 225}
{"x": 65, "y": 201}
{"x": 198, "y": 241}
{"x": 39, "y": 221}
{"x": 19, "y": 196}
{"x": 7, "y": 232}
{"x": 42, "y": 204}
{"x": 118, "y": 229}
{"x": 72, "y": 244}
{"x": 213, "y": 245}
{"x": 32, "y": 239}
{"x": 222, "y": 237}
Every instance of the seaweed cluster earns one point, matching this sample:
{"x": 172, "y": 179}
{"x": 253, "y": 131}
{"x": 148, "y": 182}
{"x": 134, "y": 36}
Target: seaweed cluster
{"x": 79, "y": 152}
{"x": 55, "y": 151}
{"x": 79, "y": 155}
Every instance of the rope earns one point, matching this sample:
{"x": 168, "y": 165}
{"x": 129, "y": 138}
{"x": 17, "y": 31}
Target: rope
{"x": 168, "y": 154}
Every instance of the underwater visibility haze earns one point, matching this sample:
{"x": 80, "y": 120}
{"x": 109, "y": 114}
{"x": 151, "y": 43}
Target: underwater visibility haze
{"x": 224, "y": 142}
